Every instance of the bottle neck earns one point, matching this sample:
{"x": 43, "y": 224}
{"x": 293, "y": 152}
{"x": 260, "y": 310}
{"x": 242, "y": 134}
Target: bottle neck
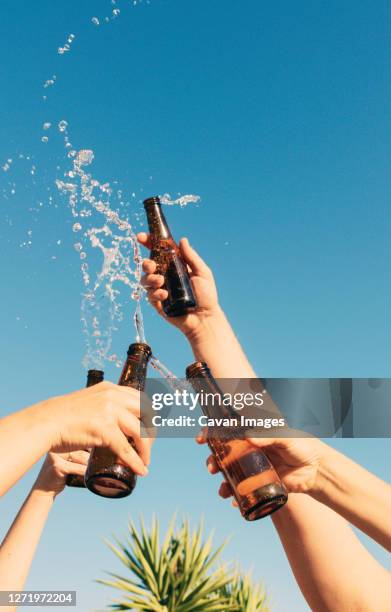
{"x": 158, "y": 226}
{"x": 94, "y": 377}
{"x": 203, "y": 382}
{"x": 134, "y": 371}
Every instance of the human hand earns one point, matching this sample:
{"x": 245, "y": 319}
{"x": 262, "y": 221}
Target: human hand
{"x": 202, "y": 281}
{"x": 296, "y": 461}
{"x": 105, "y": 415}
{"x": 55, "y": 469}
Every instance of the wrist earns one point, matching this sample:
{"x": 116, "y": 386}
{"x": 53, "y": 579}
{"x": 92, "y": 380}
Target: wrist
{"x": 327, "y": 475}
{"x": 207, "y": 325}
{"x": 41, "y": 494}
{"x": 41, "y": 423}
{"x": 44, "y": 417}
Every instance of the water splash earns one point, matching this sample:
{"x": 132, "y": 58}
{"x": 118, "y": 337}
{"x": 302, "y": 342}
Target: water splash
{"x": 182, "y": 201}
{"x": 115, "y": 12}
{"x": 164, "y": 372}
{"x": 67, "y": 46}
{"x": 100, "y": 228}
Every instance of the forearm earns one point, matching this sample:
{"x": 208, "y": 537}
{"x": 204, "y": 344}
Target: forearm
{"x": 24, "y": 437}
{"x": 215, "y": 342}
{"x": 359, "y": 496}
{"x": 19, "y": 545}
{"x": 334, "y": 571}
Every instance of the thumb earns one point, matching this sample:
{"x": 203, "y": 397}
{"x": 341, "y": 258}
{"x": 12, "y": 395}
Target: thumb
{"x": 191, "y": 257}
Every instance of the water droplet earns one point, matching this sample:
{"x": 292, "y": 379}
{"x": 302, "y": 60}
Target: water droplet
{"x": 46, "y": 125}
{"x": 7, "y": 165}
{"x": 84, "y": 157}
{"x": 76, "y": 227}
{"x": 45, "y": 139}
{"x": 62, "y": 126}
{"x": 50, "y": 82}
{"x": 95, "y": 21}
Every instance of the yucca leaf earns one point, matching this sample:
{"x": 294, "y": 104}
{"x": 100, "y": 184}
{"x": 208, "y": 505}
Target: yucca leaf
{"x": 124, "y": 584}
{"x": 117, "y": 552}
{"x": 179, "y": 574}
{"x": 146, "y": 545}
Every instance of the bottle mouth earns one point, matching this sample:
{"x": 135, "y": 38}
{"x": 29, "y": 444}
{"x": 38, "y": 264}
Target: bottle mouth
{"x": 95, "y": 375}
{"x": 199, "y": 368}
{"x": 140, "y": 347}
{"x": 152, "y": 201}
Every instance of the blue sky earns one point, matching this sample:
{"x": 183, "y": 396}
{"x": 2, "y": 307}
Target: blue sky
{"x": 278, "y": 116}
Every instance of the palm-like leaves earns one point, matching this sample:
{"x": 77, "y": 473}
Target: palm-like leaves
{"x": 179, "y": 574}
{"x": 247, "y": 596}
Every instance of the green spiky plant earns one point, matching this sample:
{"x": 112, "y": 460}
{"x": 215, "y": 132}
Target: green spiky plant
{"x": 180, "y": 574}
{"x": 245, "y": 595}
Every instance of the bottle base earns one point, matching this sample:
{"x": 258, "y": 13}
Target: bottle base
{"x": 270, "y": 499}
{"x": 111, "y": 486}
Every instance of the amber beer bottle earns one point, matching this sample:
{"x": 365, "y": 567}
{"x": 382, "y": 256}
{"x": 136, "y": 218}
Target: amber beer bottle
{"x": 170, "y": 264}
{"x": 253, "y": 480}
{"x": 93, "y": 378}
{"x": 105, "y": 476}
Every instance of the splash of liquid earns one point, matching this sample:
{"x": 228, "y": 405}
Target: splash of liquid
{"x": 164, "y": 372}
{"x": 182, "y": 201}
{"x": 115, "y": 12}
{"x": 67, "y": 46}
{"x": 99, "y": 228}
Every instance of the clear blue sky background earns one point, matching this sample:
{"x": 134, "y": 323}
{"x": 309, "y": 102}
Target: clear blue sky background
{"x": 278, "y": 115}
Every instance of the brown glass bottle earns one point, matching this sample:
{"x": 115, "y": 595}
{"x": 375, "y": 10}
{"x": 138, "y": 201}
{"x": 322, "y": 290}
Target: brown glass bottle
{"x": 105, "y": 475}
{"x": 93, "y": 378}
{"x": 254, "y": 482}
{"x": 170, "y": 264}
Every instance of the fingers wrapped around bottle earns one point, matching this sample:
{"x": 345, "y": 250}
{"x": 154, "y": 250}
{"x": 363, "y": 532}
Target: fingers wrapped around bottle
{"x": 153, "y": 282}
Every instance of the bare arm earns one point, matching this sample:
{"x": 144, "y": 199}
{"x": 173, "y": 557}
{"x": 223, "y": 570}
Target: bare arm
{"x": 361, "y": 497}
{"x": 24, "y": 437}
{"x": 19, "y": 545}
{"x": 320, "y": 546}
{"x": 102, "y": 415}
{"x": 332, "y": 568}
